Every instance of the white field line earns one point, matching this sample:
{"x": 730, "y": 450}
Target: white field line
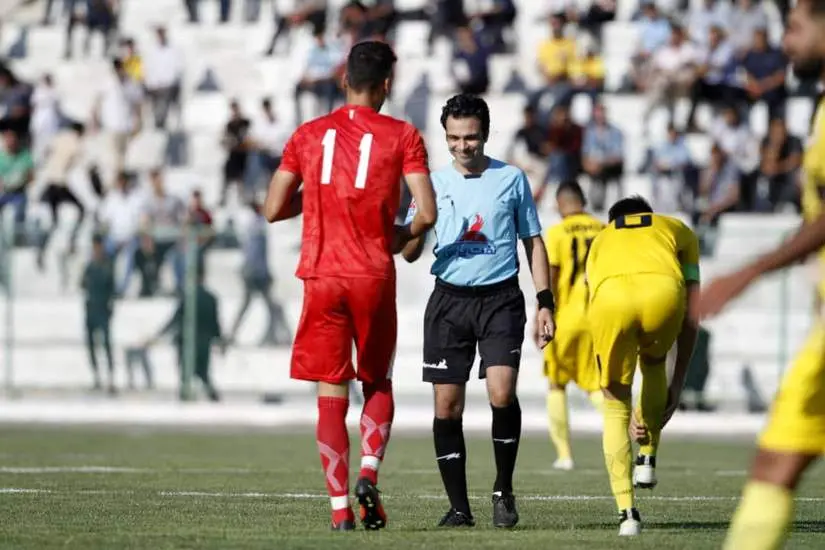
{"x": 315, "y": 496}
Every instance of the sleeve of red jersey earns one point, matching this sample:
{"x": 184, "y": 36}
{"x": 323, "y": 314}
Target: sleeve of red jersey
{"x": 290, "y": 160}
{"x": 415, "y": 153}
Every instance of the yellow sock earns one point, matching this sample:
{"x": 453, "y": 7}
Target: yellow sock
{"x": 597, "y": 399}
{"x": 653, "y": 402}
{"x": 762, "y": 518}
{"x": 559, "y": 423}
{"x": 616, "y": 445}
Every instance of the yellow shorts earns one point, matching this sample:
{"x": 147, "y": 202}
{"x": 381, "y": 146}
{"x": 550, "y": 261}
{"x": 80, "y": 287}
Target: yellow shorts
{"x": 797, "y": 419}
{"x": 632, "y": 315}
{"x": 569, "y": 357}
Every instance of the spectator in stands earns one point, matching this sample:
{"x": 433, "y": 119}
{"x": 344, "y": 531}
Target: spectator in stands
{"x": 491, "y": 21}
{"x": 471, "y": 63}
{"x": 557, "y": 53}
{"x": 148, "y": 262}
{"x": 117, "y": 115}
{"x": 163, "y": 75}
{"x": 132, "y": 61}
{"x": 198, "y": 221}
{"x": 587, "y": 73}
{"x": 257, "y": 279}
{"x": 100, "y": 16}
{"x": 119, "y": 218}
{"x": 705, "y": 15}
{"x": 603, "y": 156}
{"x": 779, "y": 169}
{"x": 746, "y": 17}
{"x": 736, "y": 140}
{"x": 563, "y": 148}
{"x": 16, "y": 175}
{"x": 594, "y": 17}
{"x": 313, "y": 12}
{"x": 445, "y": 17}
{"x": 98, "y": 284}
{"x": 716, "y": 73}
{"x": 765, "y": 68}
{"x": 669, "y": 165}
{"x": 68, "y": 10}
{"x": 64, "y": 153}
{"x": 235, "y": 142}
{"x": 320, "y": 77}
{"x": 163, "y": 216}
{"x": 654, "y": 33}
{"x": 268, "y": 136}
{"x": 380, "y": 18}
{"x": 15, "y": 102}
{"x": 672, "y": 73}
{"x": 45, "y": 121}
{"x": 719, "y": 188}
{"x": 527, "y": 150}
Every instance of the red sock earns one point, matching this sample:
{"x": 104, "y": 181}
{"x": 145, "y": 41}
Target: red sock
{"x": 376, "y": 420}
{"x": 333, "y": 445}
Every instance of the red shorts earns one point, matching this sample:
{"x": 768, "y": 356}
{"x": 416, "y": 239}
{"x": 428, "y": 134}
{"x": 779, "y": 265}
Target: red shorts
{"x": 336, "y": 313}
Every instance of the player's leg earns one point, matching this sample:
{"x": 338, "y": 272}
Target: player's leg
{"x": 372, "y": 309}
{"x": 90, "y": 349}
{"x": 449, "y": 352}
{"x": 792, "y": 439}
{"x": 500, "y": 324}
{"x": 612, "y": 320}
{"x": 557, "y": 410}
{"x": 662, "y": 311}
{"x": 322, "y": 353}
{"x": 105, "y": 330}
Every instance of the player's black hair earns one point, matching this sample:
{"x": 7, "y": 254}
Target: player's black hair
{"x": 369, "y": 64}
{"x": 572, "y": 186}
{"x": 628, "y": 206}
{"x": 817, "y": 7}
{"x": 467, "y": 106}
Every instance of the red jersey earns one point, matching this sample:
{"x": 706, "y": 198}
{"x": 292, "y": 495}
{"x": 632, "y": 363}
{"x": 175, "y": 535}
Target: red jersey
{"x": 351, "y": 162}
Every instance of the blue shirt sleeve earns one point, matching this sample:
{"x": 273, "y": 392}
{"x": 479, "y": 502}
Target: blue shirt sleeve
{"x": 527, "y": 219}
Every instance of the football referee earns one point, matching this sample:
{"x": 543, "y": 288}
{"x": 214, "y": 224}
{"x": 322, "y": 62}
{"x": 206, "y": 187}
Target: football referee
{"x": 484, "y": 206}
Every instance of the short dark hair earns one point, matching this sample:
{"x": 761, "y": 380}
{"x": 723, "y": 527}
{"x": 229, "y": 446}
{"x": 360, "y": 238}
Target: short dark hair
{"x": 628, "y": 206}
{"x": 467, "y": 106}
{"x": 572, "y": 187}
{"x": 369, "y": 64}
{"x": 817, "y": 7}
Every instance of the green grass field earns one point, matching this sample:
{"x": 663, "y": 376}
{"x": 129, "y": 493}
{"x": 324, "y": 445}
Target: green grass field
{"x": 138, "y": 488}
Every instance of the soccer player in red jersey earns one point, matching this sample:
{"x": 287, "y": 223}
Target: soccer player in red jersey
{"x": 351, "y": 163}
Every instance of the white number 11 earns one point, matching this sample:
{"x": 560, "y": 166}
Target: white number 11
{"x": 364, "y": 148}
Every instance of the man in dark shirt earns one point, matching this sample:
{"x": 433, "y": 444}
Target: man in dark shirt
{"x": 234, "y": 140}
{"x": 781, "y": 160}
{"x": 98, "y": 283}
{"x": 526, "y": 150}
{"x": 207, "y": 331}
{"x": 765, "y": 69}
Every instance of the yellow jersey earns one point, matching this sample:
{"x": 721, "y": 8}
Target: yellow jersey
{"x": 643, "y": 243}
{"x": 568, "y": 243}
{"x": 813, "y": 176}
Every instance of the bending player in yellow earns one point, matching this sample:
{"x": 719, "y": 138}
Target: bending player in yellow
{"x": 643, "y": 275}
{"x": 794, "y": 436}
{"x": 569, "y": 357}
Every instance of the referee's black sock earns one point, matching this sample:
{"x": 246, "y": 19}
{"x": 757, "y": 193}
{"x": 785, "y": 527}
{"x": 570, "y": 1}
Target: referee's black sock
{"x": 506, "y": 435}
{"x": 451, "y": 455}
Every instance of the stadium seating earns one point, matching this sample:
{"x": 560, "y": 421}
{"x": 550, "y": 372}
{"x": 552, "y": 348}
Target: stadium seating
{"x": 761, "y": 331}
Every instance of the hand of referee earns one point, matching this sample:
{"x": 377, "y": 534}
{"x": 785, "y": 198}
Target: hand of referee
{"x": 545, "y": 326}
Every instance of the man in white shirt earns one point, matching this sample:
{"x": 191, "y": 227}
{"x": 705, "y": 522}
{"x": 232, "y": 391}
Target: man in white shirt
{"x": 163, "y": 216}
{"x": 268, "y": 137}
{"x": 673, "y": 72}
{"x": 119, "y": 214}
{"x": 163, "y": 72}
{"x": 320, "y": 76}
{"x": 117, "y": 116}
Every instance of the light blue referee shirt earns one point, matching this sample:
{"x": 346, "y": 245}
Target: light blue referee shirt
{"x": 480, "y": 221}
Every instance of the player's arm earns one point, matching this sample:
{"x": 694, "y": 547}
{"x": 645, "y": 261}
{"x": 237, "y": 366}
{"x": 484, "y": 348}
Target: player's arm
{"x": 686, "y": 341}
{"x": 283, "y": 200}
{"x": 423, "y": 211}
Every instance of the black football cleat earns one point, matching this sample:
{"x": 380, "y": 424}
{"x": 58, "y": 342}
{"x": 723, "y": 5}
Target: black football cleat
{"x": 504, "y": 510}
{"x": 454, "y": 518}
{"x": 372, "y": 512}
{"x": 346, "y": 525}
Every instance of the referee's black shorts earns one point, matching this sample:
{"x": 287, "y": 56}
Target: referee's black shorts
{"x": 458, "y": 318}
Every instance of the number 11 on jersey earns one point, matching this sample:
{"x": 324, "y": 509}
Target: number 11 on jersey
{"x": 364, "y": 149}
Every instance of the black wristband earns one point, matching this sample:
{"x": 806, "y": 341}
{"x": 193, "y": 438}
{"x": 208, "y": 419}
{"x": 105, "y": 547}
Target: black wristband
{"x": 545, "y": 299}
